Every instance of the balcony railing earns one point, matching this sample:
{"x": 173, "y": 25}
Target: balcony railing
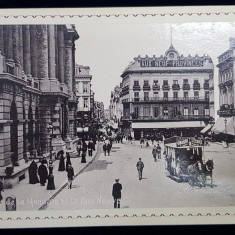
{"x": 186, "y": 86}
{"x": 167, "y": 117}
{"x": 196, "y": 86}
{"x": 136, "y": 87}
{"x": 206, "y": 86}
{"x": 156, "y": 87}
{"x": 169, "y": 99}
{"x": 175, "y": 86}
{"x": 165, "y": 87}
{"x": 146, "y": 88}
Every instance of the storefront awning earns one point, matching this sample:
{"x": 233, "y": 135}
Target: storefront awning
{"x": 80, "y": 129}
{"x": 219, "y": 126}
{"x": 160, "y": 125}
{"x": 206, "y": 129}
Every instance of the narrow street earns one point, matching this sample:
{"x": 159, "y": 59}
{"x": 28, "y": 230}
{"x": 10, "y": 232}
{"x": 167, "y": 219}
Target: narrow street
{"x": 93, "y": 188}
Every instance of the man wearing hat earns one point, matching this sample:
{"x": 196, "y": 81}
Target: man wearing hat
{"x": 140, "y": 167}
{"x": 116, "y": 193}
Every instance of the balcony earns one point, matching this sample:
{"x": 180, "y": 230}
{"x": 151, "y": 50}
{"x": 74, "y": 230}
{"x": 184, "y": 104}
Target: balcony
{"x": 136, "y": 87}
{"x": 196, "y": 86}
{"x": 176, "y": 87}
{"x": 156, "y": 87}
{"x": 146, "y": 88}
{"x": 206, "y": 86}
{"x": 186, "y": 86}
{"x": 166, "y": 87}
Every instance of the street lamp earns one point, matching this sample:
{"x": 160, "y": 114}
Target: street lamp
{"x": 225, "y": 130}
{"x": 50, "y": 184}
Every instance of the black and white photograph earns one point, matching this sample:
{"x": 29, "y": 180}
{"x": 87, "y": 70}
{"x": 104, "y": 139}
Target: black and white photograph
{"x": 115, "y": 115}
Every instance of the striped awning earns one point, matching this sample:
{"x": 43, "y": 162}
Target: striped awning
{"x": 219, "y": 126}
{"x": 206, "y": 129}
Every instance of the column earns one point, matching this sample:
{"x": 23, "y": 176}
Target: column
{"x": 1, "y": 40}
{"x": 51, "y": 49}
{"x": 9, "y": 49}
{"x": 42, "y": 51}
{"x": 61, "y": 54}
{"x": 15, "y": 38}
{"x": 26, "y": 50}
{"x": 33, "y": 50}
{"x": 68, "y": 67}
{"x": 21, "y": 45}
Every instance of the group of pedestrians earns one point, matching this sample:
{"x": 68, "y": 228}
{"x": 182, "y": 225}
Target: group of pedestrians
{"x": 84, "y": 146}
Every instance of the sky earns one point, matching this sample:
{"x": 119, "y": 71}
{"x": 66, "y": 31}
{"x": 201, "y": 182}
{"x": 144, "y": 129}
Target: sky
{"x": 109, "y": 48}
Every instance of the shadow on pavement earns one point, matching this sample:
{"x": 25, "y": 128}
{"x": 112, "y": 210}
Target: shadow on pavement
{"x": 98, "y": 165}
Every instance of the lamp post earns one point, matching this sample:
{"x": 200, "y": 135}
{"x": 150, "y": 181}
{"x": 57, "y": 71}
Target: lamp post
{"x": 225, "y": 131}
{"x": 50, "y": 184}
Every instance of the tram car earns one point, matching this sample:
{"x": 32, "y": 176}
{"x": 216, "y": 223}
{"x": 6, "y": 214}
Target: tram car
{"x": 180, "y": 153}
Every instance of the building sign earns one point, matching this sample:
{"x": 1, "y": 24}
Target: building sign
{"x": 226, "y": 112}
{"x": 188, "y": 142}
{"x": 171, "y": 63}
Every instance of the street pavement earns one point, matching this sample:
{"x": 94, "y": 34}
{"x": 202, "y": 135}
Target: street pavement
{"x": 33, "y": 196}
{"x": 93, "y": 188}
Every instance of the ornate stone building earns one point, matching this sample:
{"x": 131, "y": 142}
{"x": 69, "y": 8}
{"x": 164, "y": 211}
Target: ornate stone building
{"x": 225, "y": 124}
{"x": 167, "y": 95}
{"x": 37, "y": 87}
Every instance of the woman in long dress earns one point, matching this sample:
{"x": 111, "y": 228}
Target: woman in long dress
{"x": 43, "y": 174}
{"x": 68, "y": 161}
{"x": 61, "y": 164}
{"x": 33, "y": 170}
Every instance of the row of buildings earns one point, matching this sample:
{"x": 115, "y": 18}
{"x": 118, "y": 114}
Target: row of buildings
{"x": 41, "y": 86}
{"x": 174, "y": 95}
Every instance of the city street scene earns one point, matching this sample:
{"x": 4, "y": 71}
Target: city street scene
{"x": 112, "y": 116}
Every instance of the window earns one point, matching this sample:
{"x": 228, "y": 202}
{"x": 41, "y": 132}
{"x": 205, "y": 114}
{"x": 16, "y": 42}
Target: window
{"x": 136, "y": 96}
{"x": 207, "y": 111}
{"x": 165, "y": 82}
{"x": 146, "y": 96}
{"x": 206, "y": 81}
{"x": 186, "y": 94}
{"x": 175, "y": 82}
{"x": 146, "y": 83}
{"x": 195, "y": 111}
{"x": 155, "y": 82}
{"x": 185, "y": 81}
{"x": 85, "y": 87}
{"x": 165, "y": 95}
{"x": 175, "y": 94}
{"x": 155, "y": 94}
{"x": 85, "y": 104}
{"x": 175, "y": 111}
{"x": 165, "y": 111}
{"x": 196, "y": 94}
{"x": 206, "y": 94}
{"x": 136, "y": 83}
{"x": 185, "y": 111}
{"x": 136, "y": 112}
{"x": 146, "y": 111}
{"x": 155, "y": 111}
{"x": 195, "y": 81}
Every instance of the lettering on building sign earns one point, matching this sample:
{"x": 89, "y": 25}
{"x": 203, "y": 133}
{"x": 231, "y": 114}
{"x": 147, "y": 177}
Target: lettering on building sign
{"x": 171, "y": 63}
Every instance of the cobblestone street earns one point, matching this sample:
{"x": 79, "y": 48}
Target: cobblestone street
{"x": 93, "y": 188}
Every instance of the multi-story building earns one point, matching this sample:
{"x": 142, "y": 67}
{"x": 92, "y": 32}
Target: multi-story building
{"x": 107, "y": 114}
{"x": 83, "y": 94}
{"x": 225, "y": 124}
{"x": 99, "y": 111}
{"x": 37, "y": 88}
{"x": 167, "y": 94}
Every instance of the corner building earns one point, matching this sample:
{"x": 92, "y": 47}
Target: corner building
{"x": 37, "y": 87}
{"x": 167, "y": 95}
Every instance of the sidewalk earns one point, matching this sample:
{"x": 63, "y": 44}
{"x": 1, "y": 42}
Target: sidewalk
{"x": 32, "y": 196}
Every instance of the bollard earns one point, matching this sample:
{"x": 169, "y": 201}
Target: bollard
{"x": 11, "y": 203}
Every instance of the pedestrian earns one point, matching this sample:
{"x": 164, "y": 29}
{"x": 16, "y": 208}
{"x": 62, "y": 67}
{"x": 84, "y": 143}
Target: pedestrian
{"x": 105, "y": 148}
{"x": 116, "y": 193}
{"x": 84, "y": 147}
{"x": 90, "y": 148}
{"x": 109, "y": 146}
{"x": 61, "y": 163}
{"x": 33, "y": 173}
{"x": 70, "y": 175}
{"x": 43, "y": 174}
{"x": 83, "y": 160}
{"x": 79, "y": 147}
{"x": 154, "y": 152}
{"x": 44, "y": 161}
{"x": 159, "y": 149}
{"x": 68, "y": 160}
{"x": 140, "y": 167}
{"x": 1, "y": 190}
{"x": 141, "y": 142}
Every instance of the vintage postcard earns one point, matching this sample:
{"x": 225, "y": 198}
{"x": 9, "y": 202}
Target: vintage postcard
{"x": 117, "y": 116}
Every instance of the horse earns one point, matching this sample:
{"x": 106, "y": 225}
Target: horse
{"x": 199, "y": 172}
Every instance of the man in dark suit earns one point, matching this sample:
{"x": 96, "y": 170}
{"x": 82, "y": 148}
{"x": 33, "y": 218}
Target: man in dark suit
{"x": 117, "y": 187}
{"x": 140, "y": 167}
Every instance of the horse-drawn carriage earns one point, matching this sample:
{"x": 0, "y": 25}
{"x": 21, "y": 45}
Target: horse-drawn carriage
{"x": 185, "y": 161}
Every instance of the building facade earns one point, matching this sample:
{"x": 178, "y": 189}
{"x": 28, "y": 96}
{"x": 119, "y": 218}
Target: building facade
{"x": 225, "y": 124}
{"x": 99, "y": 111}
{"x": 37, "y": 87}
{"x": 169, "y": 94}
